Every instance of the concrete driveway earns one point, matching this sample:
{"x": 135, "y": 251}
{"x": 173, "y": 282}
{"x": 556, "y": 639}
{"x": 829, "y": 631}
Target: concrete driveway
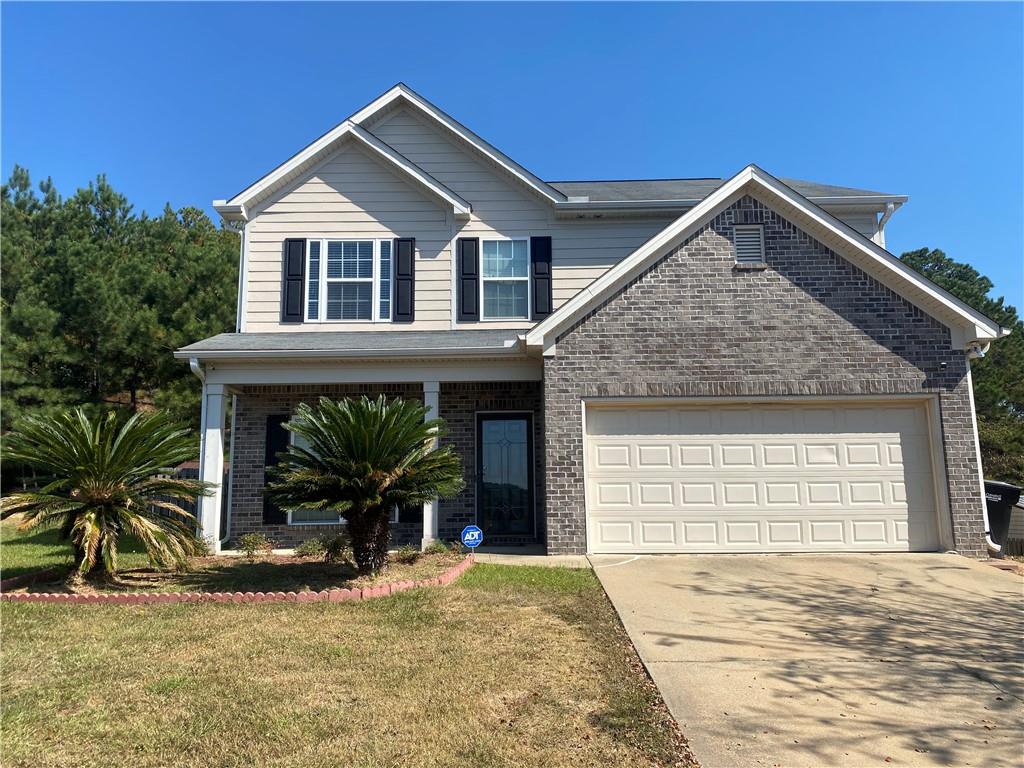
{"x": 845, "y": 660}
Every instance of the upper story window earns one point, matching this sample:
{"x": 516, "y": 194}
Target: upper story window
{"x": 505, "y": 282}
{"x": 348, "y": 280}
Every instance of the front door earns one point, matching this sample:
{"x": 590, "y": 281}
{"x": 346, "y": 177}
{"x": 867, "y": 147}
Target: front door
{"x": 505, "y": 474}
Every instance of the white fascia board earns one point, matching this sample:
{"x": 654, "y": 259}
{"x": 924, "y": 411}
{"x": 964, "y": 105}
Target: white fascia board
{"x": 240, "y": 373}
{"x": 326, "y": 143}
{"x": 511, "y": 348}
{"x": 460, "y": 205}
{"x": 495, "y": 155}
{"x": 646, "y": 254}
{"x": 875, "y": 202}
{"x": 230, "y": 212}
{"x": 886, "y": 264}
{"x": 978, "y": 326}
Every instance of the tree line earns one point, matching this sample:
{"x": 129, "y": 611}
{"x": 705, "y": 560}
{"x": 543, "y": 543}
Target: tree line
{"x": 94, "y": 298}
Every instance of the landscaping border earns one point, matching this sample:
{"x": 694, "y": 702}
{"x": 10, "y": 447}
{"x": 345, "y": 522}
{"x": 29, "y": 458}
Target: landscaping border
{"x": 327, "y": 595}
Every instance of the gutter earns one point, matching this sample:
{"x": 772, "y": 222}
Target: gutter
{"x": 511, "y": 347}
{"x": 895, "y": 201}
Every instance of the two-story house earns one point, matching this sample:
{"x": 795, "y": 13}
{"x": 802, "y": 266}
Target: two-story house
{"x": 667, "y": 365}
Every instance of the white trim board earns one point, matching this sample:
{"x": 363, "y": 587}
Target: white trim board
{"x": 873, "y": 259}
{"x": 238, "y": 207}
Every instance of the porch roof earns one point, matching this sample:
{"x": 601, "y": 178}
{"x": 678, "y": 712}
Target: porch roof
{"x": 356, "y": 344}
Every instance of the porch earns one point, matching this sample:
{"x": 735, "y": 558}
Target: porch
{"x": 492, "y": 405}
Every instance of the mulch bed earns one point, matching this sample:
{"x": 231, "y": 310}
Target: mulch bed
{"x": 306, "y": 596}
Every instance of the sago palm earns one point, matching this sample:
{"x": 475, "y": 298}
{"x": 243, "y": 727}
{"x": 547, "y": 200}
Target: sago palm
{"x": 102, "y": 480}
{"x": 364, "y": 457}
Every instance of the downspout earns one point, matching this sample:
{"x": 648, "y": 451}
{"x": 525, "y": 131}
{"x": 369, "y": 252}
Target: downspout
{"x": 197, "y": 369}
{"x": 975, "y": 351}
{"x": 890, "y": 209}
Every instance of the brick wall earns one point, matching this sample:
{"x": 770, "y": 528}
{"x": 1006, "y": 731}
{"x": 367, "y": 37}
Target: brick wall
{"x": 696, "y": 325}
{"x": 458, "y": 404}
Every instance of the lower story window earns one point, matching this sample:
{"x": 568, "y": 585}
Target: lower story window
{"x": 311, "y": 516}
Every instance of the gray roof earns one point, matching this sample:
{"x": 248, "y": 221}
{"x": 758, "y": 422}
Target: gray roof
{"x": 353, "y": 343}
{"x": 688, "y": 189}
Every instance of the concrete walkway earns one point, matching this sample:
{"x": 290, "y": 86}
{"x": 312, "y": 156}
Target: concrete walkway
{"x": 831, "y": 660}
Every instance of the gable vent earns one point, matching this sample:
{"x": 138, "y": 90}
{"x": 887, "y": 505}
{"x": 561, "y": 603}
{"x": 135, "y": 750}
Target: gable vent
{"x": 749, "y": 244}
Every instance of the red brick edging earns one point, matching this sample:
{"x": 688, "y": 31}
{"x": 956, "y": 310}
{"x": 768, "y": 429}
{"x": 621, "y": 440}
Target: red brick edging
{"x": 332, "y": 595}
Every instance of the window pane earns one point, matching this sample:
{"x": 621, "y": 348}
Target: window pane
{"x": 350, "y": 259}
{"x": 505, "y": 258}
{"x": 505, "y": 299}
{"x": 313, "y": 287}
{"x": 385, "y": 280}
{"x": 314, "y": 516}
{"x": 349, "y": 301}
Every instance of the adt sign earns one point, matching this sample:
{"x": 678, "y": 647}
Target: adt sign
{"x": 472, "y": 536}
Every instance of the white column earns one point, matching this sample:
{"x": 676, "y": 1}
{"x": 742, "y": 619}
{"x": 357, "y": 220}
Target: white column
{"x": 211, "y": 462}
{"x": 431, "y": 399}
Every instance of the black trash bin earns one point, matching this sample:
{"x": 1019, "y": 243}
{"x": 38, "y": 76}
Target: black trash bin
{"x": 1000, "y": 498}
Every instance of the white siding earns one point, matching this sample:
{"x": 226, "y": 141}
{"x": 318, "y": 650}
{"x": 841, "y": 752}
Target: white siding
{"x": 351, "y": 194}
{"x": 582, "y": 250}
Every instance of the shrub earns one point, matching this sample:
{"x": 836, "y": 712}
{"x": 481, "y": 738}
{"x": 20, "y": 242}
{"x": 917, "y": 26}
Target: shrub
{"x": 253, "y": 544}
{"x": 311, "y": 548}
{"x": 407, "y": 555}
{"x": 337, "y": 549}
{"x": 437, "y": 547}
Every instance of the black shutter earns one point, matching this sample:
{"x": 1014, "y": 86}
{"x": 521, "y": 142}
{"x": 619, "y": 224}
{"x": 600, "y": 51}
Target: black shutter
{"x": 540, "y": 283}
{"x": 277, "y": 441}
{"x": 468, "y": 283}
{"x": 405, "y": 280}
{"x": 293, "y": 278}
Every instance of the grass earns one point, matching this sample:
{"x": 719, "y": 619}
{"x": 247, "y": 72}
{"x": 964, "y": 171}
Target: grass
{"x": 268, "y": 574}
{"x": 34, "y": 551}
{"x": 22, "y": 553}
{"x": 509, "y": 666}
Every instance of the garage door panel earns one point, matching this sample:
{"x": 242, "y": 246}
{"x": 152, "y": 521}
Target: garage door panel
{"x": 842, "y": 477}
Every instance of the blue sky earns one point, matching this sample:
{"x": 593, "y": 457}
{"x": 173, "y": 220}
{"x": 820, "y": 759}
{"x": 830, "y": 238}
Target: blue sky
{"x": 190, "y": 102}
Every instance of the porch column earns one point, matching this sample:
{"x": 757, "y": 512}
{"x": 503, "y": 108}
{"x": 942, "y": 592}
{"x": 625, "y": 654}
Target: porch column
{"x": 431, "y": 399}
{"x": 211, "y": 462}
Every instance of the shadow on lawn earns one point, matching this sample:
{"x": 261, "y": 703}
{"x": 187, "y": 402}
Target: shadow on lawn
{"x": 218, "y": 576}
{"x": 42, "y": 550}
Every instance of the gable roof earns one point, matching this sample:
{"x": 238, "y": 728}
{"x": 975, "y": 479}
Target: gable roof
{"x": 404, "y": 94}
{"x": 239, "y": 205}
{"x": 971, "y": 325}
{"x": 566, "y": 196}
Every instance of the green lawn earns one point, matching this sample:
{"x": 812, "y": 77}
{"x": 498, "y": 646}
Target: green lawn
{"x": 22, "y": 553}
{"x": 510, "y": 666}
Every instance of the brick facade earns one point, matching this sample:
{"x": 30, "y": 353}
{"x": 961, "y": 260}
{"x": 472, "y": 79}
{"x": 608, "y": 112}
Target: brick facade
{"x": 458, "y": 404}
{"x": 696, "y": 325}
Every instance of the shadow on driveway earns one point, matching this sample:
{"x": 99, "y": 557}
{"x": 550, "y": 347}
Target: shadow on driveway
{"x": 831, "y": 660}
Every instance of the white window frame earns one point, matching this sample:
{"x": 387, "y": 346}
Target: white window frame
{"x": 299, "y": 523}
{"x": 393, "y": 517}
{"x": 374, "y": 280}
{"x": 528, "y": 280}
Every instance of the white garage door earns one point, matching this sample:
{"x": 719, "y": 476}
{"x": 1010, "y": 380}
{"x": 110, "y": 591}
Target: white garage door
{"x": 760, "y": 478}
